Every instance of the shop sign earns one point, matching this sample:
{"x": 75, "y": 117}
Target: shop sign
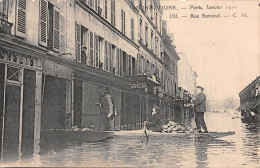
{"x": 138, "y": 86}
{"x": 18, "y": 58}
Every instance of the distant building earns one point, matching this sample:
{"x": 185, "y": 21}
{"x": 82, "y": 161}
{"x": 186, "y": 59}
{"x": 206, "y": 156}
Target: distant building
{"x": 187, "y": 79}
{"x": 250, "y": 101}
{"x": 170, "y": 75}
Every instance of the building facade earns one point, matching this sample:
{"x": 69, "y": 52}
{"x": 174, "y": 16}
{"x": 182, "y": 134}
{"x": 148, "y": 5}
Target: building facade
{"x": 187, "y": 83}
{"x": 170, "y": 75}
{"x": 58, "y": 58}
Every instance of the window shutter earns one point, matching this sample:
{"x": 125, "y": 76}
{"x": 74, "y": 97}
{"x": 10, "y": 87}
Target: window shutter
{"x": 78, "y": 42}
{"x": 43, "y": 23}
{"x": 62, "y": 34}
{"x": 132, "y": 29}
{"x": 91, "y": 46}
{"x": 96, "y": 51}
{"x": 21, "y": 18}
{"x": 117, "y": 61}
{"x": 56, "y": 29}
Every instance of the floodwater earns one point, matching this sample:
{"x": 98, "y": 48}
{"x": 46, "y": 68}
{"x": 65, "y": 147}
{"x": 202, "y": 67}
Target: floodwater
{"x": 239, "y": 150}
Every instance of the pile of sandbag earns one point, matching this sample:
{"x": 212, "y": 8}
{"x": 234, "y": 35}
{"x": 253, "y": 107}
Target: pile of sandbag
{"x": 174, "y": 127}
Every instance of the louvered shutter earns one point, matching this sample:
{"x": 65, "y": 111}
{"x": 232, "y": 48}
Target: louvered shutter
{"x": 56, "y": 29}
{"x": 43, "y": 23}
{"x": 78, "y": 42}
{"x": 21, "y": 18}
{"x": 96, "y": 51}
{"x": 117, "y": 61}
{"x": 91, "y": 46}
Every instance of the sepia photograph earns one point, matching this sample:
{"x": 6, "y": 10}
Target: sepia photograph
{"x": 130, "y": 83}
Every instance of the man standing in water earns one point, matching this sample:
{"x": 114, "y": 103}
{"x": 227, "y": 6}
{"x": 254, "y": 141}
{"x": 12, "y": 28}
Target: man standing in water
{"x": 200, "y": 108}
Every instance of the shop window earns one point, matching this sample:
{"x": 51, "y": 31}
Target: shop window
{"x": 14, "y": 74}
{"x": 49, "y": 35}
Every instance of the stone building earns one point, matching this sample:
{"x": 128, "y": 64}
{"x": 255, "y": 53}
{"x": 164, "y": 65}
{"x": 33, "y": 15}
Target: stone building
{"x": 58, "y": 58}
{"x": 170, "y": 76}
{"x": 187, "y": 83}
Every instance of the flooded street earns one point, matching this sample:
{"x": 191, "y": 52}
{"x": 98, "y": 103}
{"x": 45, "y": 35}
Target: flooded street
{"x": 239, "y": 150}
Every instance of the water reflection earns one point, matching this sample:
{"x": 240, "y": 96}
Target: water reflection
{"x": 241, "y": 149}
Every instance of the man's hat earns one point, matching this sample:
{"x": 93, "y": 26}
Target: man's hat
{"x": 200, "y": 87}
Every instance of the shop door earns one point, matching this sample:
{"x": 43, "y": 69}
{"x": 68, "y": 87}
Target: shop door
{"x": 12, "y": 113}
{"x": 12, "y": 121}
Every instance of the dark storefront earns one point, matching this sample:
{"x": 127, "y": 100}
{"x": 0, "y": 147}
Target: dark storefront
{"x": 19, "y": 95}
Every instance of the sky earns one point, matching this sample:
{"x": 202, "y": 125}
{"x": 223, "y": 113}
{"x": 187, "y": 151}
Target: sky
{"x": 223, "y": 51}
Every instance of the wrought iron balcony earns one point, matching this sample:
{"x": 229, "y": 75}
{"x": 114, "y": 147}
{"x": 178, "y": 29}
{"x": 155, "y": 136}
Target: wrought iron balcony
{"x": 5, "y": 26}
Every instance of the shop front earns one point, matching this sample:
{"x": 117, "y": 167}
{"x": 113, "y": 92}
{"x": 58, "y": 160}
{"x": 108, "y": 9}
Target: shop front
{"x": 20, "y": 100}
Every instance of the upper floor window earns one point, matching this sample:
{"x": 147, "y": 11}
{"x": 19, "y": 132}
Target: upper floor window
{"x": 113, "y": 11}
{"x": 152, "y": 41}
{"x": 132, "y": 29}
{"x": 20, "y": 18}
{"x": 140, "y": 31}
{"x": 146, "y": 35}
{"x": 123, "y": 21}
{"x": 49, "y": 35}
{"x": 105, "y": 9}
{"x": 151, "y": 10}
{"x": 4, "y": 9}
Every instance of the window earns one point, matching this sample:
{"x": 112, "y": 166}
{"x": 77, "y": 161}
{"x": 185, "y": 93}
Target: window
{"x": 107, "y": 64}
{"x": 152, "y": 43}
{"x": 145, "y": 5}
{"x": 146, "y": 34}
{"x": 105, "y": 9}
{"x": 113, "y": 59}
{"x": 20, "y": 17}
{"x": 129, "y": 65}
{"x": 84, "y": 45}
{"x": 113, "y": 18}
{"x": 14, "y": 74}
{"x": 156, "y": 20}
{"x": 96, "y": 48}
{"x": 132, "y": 29}
{"x": 160, "y": 24}
{"x": 133, "y": 67}
{"x": 90, "y": 3}
{"x": 4, "y": 9}
{"x": 49, "y": 26}
{"x": 124, "y": 64}
{"x": 91, "y": 49}
{"x": 123, "y": 21}
{"x": 151, "y": 10}
{"x": 99, "y": 64}
{"x": 140, "y": 31}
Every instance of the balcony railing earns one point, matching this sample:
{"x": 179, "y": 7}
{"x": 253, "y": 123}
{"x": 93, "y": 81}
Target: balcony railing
{"x": 5, "y": 26}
